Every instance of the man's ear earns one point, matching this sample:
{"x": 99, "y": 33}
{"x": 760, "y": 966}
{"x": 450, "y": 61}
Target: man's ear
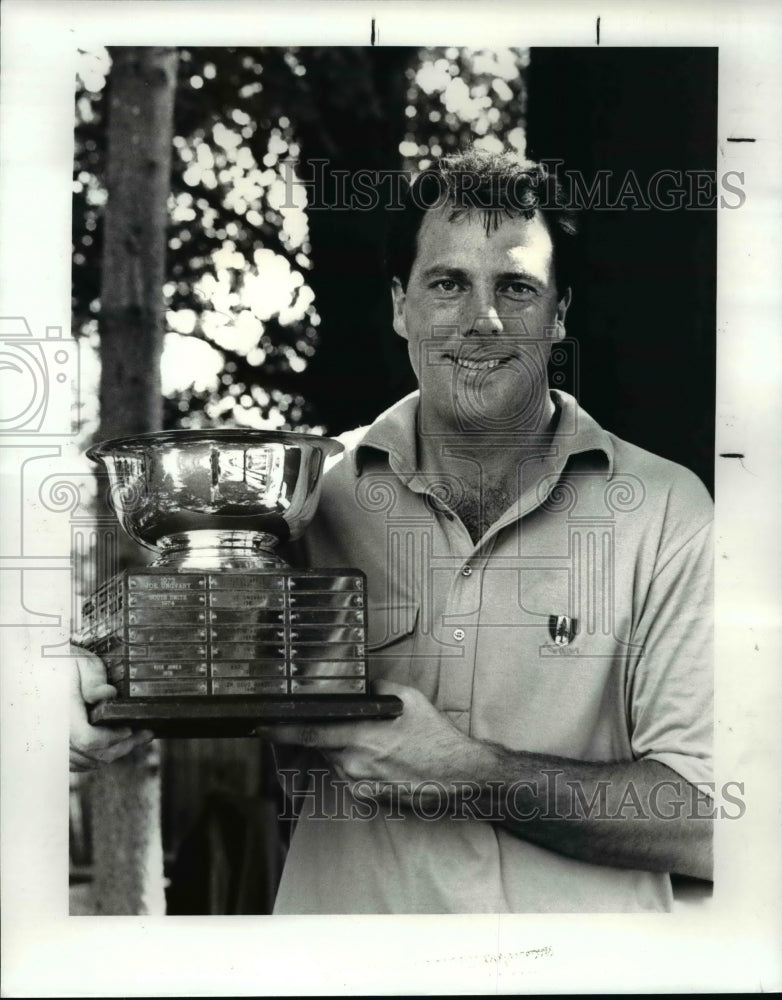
{"x": 398, "y": 297}
{"x": 563, "y": 305}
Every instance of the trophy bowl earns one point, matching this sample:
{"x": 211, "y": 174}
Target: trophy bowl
{"x": 219, "y": 634}
{"x": 224, "y": 498}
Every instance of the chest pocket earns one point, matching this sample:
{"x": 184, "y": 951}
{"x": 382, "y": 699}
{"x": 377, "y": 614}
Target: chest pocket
{"x": 391, "y": 634}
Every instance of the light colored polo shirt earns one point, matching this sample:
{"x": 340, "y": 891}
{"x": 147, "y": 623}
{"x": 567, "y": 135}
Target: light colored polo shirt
{"x": 608, "y": 543}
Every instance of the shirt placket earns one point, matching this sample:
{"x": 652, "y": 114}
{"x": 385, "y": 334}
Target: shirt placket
{"x": 458, "y": 618}
{"x": 457, "y": 624}
{"x": 454, "y": 619}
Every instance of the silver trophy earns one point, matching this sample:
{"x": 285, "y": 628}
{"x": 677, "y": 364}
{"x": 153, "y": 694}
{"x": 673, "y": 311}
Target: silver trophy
{"x": 219, "y": 635}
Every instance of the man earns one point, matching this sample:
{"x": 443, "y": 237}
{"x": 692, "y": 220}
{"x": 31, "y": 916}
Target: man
{"x": 538, "y": 598}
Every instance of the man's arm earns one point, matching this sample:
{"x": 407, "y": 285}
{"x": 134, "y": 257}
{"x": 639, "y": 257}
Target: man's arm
{"x": 636, "y": 814}
{"x": 640, "y": 814}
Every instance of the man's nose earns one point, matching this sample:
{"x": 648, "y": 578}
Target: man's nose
{"x": 486, "y": 319}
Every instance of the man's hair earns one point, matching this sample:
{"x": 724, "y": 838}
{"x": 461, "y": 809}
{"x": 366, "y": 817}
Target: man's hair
{"x": 499, "y": 186}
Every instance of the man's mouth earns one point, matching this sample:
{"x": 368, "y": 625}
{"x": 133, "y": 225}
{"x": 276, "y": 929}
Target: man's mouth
{"x": 476, "y": 364}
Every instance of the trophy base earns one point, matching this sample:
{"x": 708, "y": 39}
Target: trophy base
{"x": 208, "y": 717}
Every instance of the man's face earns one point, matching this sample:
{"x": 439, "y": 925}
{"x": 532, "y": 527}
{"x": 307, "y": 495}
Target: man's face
{"x": 479, "y": 315}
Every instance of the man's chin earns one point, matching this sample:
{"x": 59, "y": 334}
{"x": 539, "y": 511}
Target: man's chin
{"x": 488, "y": 410}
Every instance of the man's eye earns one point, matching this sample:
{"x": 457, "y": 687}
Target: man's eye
{"x": 518, "y": 289}
{"x": 445, "y": 285}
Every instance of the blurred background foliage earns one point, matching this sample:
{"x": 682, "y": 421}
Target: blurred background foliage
{"x": 277, "y": 310}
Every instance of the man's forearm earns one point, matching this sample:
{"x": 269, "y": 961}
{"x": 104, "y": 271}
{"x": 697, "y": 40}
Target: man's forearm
{"x": 636, "y": 814}
{"x": 639, "y": 814}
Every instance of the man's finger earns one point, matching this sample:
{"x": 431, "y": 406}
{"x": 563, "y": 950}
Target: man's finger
{"x": 123, "y": 747}
{"x": 94, "y": 739}
{"x": 402, "y": 691}
{"x": 99, "y": 692}
{"x": 93, "y": 680}
{"x": 335, "y": 736}
{"x": 85, "y": 758}
{"x": 388, "y": 687}
{"x": 81, "y": 762}
{"x": 89, "y": 738}
{"x": 291, "y": 735}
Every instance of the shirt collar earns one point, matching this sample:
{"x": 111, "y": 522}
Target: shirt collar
{"x": 577, "y": 432}
{"x": 395, "y": 433}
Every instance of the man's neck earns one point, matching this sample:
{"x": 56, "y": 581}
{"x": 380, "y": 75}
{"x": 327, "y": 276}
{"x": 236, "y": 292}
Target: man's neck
{"x": 490, "y": 470}
{"x": 491, "y": 455}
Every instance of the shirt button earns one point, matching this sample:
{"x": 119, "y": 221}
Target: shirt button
{"x": 467, "y": 571}
{"x": 458, "y": 634}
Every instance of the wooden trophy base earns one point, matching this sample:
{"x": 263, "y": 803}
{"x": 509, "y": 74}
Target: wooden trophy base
{"x": 231, "y": 717}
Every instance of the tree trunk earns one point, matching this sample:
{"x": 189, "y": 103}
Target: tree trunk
{"x": 126, "y": 796}
{"x": 141, "y": 105}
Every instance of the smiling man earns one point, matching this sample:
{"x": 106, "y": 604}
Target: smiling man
{"x": 480, "y": 308}
{"x": 539, "y": 598}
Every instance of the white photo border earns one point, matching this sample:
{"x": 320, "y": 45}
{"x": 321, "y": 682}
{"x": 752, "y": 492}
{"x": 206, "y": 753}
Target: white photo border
{"x": 731, "y": 943}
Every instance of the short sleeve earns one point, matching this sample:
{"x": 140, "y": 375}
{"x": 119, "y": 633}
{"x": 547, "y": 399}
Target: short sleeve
{"x": 671, "y": 690}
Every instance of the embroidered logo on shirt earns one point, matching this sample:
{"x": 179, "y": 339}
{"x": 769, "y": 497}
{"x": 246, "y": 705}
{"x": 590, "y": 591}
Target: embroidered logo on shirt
{"x": 562, "y": 629}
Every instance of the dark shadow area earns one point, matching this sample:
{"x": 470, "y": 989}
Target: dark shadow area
{"x": 644, "y": 307}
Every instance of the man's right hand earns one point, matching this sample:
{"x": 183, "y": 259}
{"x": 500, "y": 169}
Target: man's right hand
{"x": 94, "y": 746}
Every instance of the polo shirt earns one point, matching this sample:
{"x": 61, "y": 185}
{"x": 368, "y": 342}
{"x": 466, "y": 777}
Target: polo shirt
{"x": 606, "y": 542}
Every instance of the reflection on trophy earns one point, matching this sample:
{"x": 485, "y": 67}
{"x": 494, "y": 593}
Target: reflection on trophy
{"x": 219, "y": 634}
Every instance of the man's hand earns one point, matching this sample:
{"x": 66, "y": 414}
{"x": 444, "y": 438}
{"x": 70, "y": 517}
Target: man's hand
{"x": 533, "y": 796}
{"x": 421, "y": 745}
{"x": 94, "y": 746}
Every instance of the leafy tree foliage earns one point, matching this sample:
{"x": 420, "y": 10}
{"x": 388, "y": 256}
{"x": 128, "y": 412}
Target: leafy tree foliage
{"x": 277, "y": 312}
